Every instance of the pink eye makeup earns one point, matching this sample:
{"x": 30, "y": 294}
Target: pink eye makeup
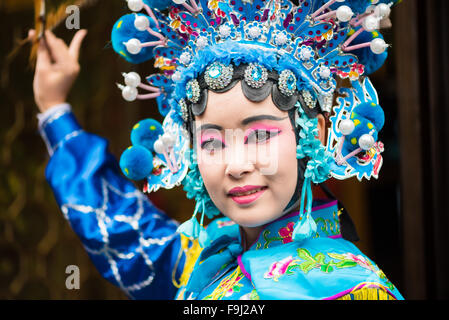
{"x": 211, "y": 141}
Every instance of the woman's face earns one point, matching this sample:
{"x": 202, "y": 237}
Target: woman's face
{"x": 246, "y": 156}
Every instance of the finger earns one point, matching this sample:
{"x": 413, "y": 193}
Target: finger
{"x": 57, "y": 46}
{"x": 43, "y": 56}
{"x": 31, "y": 34}
{"x": 75, "y": 45}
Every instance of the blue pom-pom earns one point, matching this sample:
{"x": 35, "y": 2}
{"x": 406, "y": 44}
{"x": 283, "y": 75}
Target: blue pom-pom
{"x": 146, "y": 132}
{"x": 125, "y": 30}
{"x": 158, "y": 4}
{"x": 367, "y": 116}
{"x": 357, "y": 6}
{"x": 373, "y": 112}
{"x": 369, "y": 59}
{"x": 136, "y": 163}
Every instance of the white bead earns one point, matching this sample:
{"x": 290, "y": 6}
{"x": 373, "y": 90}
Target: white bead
{"x": 129, "y": 93}
{"x": 141, "y": 23}
{"x": 185, "y": 58}
{"x": 281, "y": 39}
{"x": 132, "y": 79}
{"x": 179, "y": 1}
{"x": 225, "y": 31}
{"x": 378, "y": 46}
{"x": 201, "y": 42}
{"x": 159, "y": 146}
{"x": 344, "y": 13}
{"x": 135, "y": 5}
{"x": 325, "y": 72}
{"x": 340, "y": 0}
{"x": 366, "y": 141}
{"x": 346, "y": 127}
{"x": 254, "y": 32}
{"x": 168, "y": 139}
{"x": 176, "y": 76}
{"x": 383, "y": 10}
{"x": 133, "y": 46}
{"x": 371, "y": 23}
{"x": 306, "y": 54}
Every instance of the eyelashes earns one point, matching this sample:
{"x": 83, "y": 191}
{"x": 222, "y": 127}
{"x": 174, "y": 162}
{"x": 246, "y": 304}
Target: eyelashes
{"x": 261, "y": 135}
{"x": 255, "y": 136}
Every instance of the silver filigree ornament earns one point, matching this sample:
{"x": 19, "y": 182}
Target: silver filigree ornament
{"x": 255, "y": 75}
{"x": 287, "y": 82}
{"x": 193, "y": 91}
{"x": 218, "y": 75}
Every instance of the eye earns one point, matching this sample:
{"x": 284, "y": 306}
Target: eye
{"x": 212, "y": 144}
{"x": 260, "y": 136}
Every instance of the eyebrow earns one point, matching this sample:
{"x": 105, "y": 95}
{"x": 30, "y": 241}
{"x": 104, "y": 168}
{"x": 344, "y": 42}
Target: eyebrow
{"x": 261, "y": 117}
{"x": 244, "y": 121}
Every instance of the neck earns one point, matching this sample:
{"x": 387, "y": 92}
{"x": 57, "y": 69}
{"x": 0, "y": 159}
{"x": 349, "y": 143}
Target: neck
{"x": 249, "y": 236}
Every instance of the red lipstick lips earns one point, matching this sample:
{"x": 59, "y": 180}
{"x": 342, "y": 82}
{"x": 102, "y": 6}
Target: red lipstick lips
{"x": 246, "y": 194}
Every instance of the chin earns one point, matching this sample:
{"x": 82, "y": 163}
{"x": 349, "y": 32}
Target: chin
{"x": 251, "y": 217}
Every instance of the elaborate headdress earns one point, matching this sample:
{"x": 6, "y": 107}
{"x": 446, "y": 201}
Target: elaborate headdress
{"x": 293, "y": 50}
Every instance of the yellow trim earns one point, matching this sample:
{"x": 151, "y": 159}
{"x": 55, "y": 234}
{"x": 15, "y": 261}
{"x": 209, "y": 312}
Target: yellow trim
{"x": 136, "y": 126}
{"x": 368, "y": 293}
{"x": 354, "y": 141}
{"x": 119, "y": 24}
{"x": 192, "y": 253}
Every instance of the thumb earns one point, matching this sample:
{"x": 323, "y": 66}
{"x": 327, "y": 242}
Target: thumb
{"x": 75, "y": 45}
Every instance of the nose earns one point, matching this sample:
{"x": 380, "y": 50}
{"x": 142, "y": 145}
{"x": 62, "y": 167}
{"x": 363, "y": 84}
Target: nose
{"x": 238, "y": 164}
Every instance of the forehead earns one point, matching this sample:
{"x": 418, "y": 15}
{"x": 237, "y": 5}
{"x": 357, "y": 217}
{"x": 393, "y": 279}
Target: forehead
{"x": 230, "y": 108}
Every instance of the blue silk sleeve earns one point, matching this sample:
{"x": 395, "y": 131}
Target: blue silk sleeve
{"x": 131, "y": 242}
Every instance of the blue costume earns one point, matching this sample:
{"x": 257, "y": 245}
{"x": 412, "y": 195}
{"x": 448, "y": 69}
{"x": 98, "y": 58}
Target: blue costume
{"x": 291, "y": 51}
{"x": 135, "y": 246}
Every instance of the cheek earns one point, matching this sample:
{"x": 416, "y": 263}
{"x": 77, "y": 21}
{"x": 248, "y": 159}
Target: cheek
{"x": 212, "y": 174}
{"x": 278, "y": 158}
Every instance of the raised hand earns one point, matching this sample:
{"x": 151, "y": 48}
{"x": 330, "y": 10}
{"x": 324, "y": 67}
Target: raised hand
{"x": 56, "y": 69}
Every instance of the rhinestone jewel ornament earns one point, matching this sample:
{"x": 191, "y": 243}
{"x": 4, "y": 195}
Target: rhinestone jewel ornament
{"x": 308, "y": 99}
{"x": 184, "y": 110}
{"x": 193, "y": 91}
{"x": 218, "y": 75}
{"x": 256, "y": 75}
{"x": 287, "y": 82}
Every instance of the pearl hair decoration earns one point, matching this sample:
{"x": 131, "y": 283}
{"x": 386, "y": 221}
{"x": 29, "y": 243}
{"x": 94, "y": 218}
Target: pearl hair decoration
{"x": 134, "y": 46}
{"x": 383, "y": 10}
{"x": 371, "y": 23}
{"x": 135, "y": 5}
{"x": 141, "y": 23}
{"x": 366, "y": 141}
{"x": 346, "y": 127}
{"x": 132, "y": 79}
{"x": 378, "y": 46}
{"x": 344, "y": 13}
{"x": 128, "y": 93}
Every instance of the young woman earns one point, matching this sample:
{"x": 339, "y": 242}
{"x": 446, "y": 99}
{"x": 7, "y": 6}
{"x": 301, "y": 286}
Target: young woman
{"x": 249, "y": 87}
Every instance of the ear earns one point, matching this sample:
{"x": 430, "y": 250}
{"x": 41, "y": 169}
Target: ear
{"x": 321, "y": 128}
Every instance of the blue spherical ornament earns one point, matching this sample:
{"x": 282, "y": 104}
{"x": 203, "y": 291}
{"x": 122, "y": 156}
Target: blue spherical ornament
{"x": 146, "y": 132}
{"x": 124, "y": 30}
{"x": 136, "y": 163}
{"x": 373, "y": 112}
{"x": 159, "y": 4}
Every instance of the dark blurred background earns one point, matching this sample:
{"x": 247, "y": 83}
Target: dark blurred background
{"x": 401, "y": 218}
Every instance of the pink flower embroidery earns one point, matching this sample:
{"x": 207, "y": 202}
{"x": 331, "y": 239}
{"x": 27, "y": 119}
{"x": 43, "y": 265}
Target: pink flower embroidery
{"x": 278, "y": 268}
{"x": 286, "y": 232}
{"x": 360, "y": 260}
